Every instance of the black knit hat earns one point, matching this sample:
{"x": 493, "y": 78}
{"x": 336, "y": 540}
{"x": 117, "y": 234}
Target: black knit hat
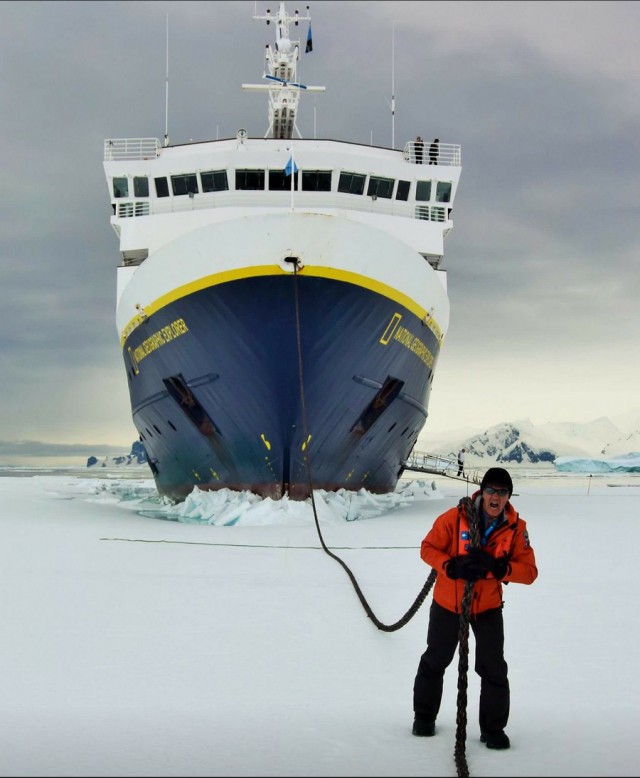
{"x": 497, "y": 476}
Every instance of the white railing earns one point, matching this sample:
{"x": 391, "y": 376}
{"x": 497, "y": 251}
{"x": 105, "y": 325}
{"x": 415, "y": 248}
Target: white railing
{"x": 137, "y": 208}
{"x": 146, "y": 148}
{"x": 422, "y": 462}
{"x": 131, "y": 148}
{"x": 434, "y": 213}
{"x": 445, "y": 154}
{"x": 265, "y": 199}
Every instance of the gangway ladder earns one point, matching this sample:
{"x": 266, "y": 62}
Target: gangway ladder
{"x": 422, "y": 462}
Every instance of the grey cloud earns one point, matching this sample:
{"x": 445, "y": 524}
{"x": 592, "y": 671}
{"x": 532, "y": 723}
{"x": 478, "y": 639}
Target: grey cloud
{"x": 543, "y": 255}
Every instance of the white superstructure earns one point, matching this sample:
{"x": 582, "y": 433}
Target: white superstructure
{"x": 360, "y": 227}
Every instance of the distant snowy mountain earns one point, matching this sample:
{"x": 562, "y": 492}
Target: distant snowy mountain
{"x": 623, "y": 445}
{"x": 137, "y": 456}
{"x": 589, "y": 438}
{"x": 511, "y": 443}
{"x": 523, "y": 443}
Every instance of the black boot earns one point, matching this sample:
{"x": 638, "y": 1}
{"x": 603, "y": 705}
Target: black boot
{"x": 423, "y": 728}
{"x": 498, "y": 740}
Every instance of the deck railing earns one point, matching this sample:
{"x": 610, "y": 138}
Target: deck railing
{"x": 131, "y": 148}
{"x": 422, "y": 462}
{"x": 265, "y": 199}
{"x": 445, "y": 154}
{"x": 434, "y": 213}
{"x": 146, "y": 148}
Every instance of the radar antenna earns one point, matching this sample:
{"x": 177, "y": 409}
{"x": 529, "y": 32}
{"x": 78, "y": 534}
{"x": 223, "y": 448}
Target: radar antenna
{"x": 284, "y": 89}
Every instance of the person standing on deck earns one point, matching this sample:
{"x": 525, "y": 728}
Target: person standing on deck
{"x": 434, "y": 151}
{"x": 461, "y": 454}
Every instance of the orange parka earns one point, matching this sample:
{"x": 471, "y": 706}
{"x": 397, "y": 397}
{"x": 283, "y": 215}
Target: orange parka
{"x": 449, "y": 537}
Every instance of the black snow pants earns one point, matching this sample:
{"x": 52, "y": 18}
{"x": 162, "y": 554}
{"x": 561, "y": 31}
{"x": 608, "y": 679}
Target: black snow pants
{"x": 442, "y": 640}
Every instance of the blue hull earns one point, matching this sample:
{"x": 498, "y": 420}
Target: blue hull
{"x": 221, "y": 399}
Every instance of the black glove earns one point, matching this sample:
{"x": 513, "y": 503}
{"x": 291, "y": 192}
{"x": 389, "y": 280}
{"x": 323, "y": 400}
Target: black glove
{"x": 482, "y": 559}
{"x": 490, "y": 564}
{"x": 463, "y": 566}
{"x": 501, "y": 567}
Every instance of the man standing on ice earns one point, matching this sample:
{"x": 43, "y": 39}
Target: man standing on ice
{"x": 483, "y": 541}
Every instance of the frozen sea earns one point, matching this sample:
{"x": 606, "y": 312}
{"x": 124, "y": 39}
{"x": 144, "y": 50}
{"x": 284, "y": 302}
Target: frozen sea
{"x": 217, "y": 638}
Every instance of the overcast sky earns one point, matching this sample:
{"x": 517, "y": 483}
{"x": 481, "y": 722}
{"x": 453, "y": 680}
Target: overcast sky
{"x": 544, "y": 98}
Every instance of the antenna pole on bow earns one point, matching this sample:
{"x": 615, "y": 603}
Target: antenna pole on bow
{"x": 284, "y": 89}
{"x": 166, "y": 96}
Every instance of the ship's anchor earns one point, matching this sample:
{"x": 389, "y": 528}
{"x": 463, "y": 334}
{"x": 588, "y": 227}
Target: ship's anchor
{"x": 463, "y": 634}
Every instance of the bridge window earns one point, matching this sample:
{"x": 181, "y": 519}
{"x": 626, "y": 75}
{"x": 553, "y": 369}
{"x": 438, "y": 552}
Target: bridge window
{"x": 185, "y": 184}
{"x": 214, "y": 181}
{"x": 120, "y": 187}
{"x": 316, "y": 180}
{"x": 443, "y": 192}
{"x": 249, "y": 179}
{"x": 140, "y": 186}
{"x": 279, "y": 181}
{"x": 423, "y": 190}
{"x": 380, "y": 187}
{"x": 162, "y": 187}
{"x": 402, "y": 192}
{"x": 351, "y": 183}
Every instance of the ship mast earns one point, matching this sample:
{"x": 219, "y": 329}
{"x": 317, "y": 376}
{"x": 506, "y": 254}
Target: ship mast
{"x": 283, "y": 87}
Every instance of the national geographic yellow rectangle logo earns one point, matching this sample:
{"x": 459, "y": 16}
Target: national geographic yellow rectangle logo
{"x": 388, "y": 333}
{"x": 406, "y": 338}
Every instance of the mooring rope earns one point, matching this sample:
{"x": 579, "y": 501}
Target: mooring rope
{"x": 463, "y": 634}
{"x": 432, "y": 575}
{"x": 459, "y": 753}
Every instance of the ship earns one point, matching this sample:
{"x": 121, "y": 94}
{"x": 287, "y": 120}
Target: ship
{"x": 280, "y": 300}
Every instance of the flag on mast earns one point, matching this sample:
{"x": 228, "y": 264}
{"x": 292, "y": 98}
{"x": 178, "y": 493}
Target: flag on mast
{"x": 309, "y": 46}
{"x": 291, "y": 167}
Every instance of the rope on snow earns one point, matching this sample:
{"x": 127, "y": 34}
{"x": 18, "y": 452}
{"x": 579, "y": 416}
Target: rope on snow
{"x": 432, "y": 576}
{"x": 466, "y": 504}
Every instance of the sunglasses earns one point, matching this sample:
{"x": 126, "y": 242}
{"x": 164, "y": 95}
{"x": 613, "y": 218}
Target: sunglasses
{"x": 499, "y": 492}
